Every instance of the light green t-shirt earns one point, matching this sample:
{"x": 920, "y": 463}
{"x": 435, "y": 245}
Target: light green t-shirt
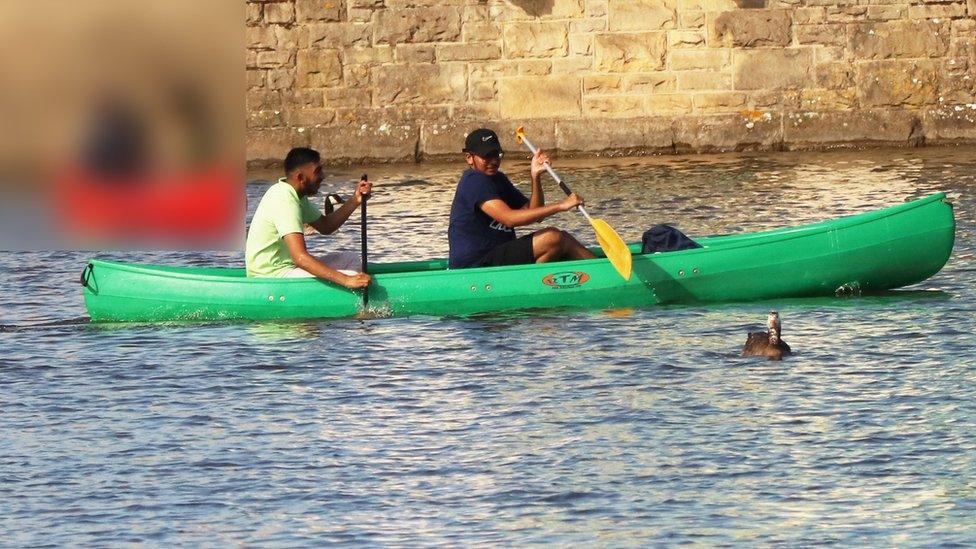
{"x": 280, "y": 212}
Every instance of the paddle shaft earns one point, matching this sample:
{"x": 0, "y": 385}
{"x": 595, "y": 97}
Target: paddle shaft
{"x": 362, "y": 234}
{"x": 556, "y": 177}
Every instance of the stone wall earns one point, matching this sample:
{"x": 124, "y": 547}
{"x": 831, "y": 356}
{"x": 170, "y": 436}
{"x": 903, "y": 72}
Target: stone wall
{"x": 407, "y": 79}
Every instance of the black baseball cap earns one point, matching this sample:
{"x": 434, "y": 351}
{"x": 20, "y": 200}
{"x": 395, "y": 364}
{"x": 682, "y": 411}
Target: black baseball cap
{"x": 482, "y": 142}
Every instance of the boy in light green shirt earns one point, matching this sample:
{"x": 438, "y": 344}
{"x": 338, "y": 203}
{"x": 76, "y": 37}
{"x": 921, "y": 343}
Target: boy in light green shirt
{"x": 276, "y": 240}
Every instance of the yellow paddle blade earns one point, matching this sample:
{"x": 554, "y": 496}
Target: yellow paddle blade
{"x": 614, "y": 246}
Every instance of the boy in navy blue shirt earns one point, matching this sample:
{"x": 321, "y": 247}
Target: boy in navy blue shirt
{"x": 487, "y": 208}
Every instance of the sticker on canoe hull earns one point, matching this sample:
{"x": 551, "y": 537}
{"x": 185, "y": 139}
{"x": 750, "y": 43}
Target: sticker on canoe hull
{"x": 565, "y": 279}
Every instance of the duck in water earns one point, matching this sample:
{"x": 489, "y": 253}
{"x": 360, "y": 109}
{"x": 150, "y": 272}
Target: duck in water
{"x": 767, "y": 344}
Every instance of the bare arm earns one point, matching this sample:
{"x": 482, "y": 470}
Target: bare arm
{"x": 537, "y": 198}
{"x": 328, "y": 224}
{"x": 304, "y": 260}
{"x": 498, "y": 210}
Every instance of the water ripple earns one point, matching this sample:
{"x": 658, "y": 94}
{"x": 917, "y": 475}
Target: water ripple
{"x": 609, "y": 428}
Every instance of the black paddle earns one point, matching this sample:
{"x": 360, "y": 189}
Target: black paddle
{"x": 362, "y": 234}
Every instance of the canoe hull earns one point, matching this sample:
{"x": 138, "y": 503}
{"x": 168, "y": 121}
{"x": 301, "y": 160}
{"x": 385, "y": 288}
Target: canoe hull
{"x": 865, "y": 253}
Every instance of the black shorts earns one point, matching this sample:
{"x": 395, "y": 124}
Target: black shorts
{"x": 513, "y": 252}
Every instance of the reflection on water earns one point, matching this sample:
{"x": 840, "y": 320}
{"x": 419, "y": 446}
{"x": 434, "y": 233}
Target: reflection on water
{"x": 573, "y": 428}
{"x": 708, "y": 194}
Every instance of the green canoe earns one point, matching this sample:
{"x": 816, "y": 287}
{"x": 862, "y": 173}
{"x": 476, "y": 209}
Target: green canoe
{"x": 864, "y": 253}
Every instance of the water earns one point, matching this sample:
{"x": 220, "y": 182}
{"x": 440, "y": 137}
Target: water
{"x": 613, "y": 428}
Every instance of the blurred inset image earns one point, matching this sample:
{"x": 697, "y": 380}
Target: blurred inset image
{"x": 127, "y": 129}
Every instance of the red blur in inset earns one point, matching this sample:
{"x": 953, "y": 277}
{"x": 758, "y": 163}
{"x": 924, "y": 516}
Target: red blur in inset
{"x": 202, "y": 209}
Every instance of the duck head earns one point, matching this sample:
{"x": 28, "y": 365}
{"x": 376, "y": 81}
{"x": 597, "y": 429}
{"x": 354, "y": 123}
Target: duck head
{"x": 773, "y": 327}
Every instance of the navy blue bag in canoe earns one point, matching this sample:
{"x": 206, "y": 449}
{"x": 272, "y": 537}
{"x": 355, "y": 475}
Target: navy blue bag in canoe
{"x": 665, "y": 238}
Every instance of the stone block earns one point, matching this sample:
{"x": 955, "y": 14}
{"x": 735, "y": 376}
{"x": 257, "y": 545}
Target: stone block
{"x": 775, "y": 99}
{"x": 685, "y": 39}
{"x": 613, "y": 106}
{"x": 615, "y": 137}
{"x": 535, "y": 67}
{"x": 302, "y": 98}
{"x": 336, "y": 35}
{"x": 543, "y": 9}
{"x": 957, "y": 88}
{"x": 885, "y": 13}
{"x": 827, "y": 54}
{"x": 421, "y": 84}
{"x": 707, "y": 5}
{"x": 486, "y": 31}
{"x": 273, "y": 144}
{"x": 691, "y": 19}
{"x": 260, "y": 38}
{"x": 572, "y": 65}
{"x": 262, "y": 100}
{"x": 468, "y": 52}
{"x": 309, "y": 118}
{"x": 373, "y": 139}
{"x": 846, "y": 13}
{"x": 668, "y": 103}
{"x": 280, "y": 12}
{"x": 367, "y": 56}
{"x": 539, "y": 97}
{"x": 642, "y": 15}
{"x": 964, "y": 28}
{"x": 580, "y": 44}
{"x": 318, "y": 68}
{"x": 434, "y": 24}
{"x": 274, "y": 59}
{"x": 937, "y": 11}
{"x": 630, "y": 52}
{"x": 700, "y": 80}
{"x": 835, "y": 75}
{"x": 356, "y": 74}
{"x": 753, "y": 28}
{"x": 897, "y": 82}
{"x": 494, "y": 69}
{"x": 827, "y": 100}
{"x": 287, "y": 38}
{"x": 950, "y": 123}
{"x": 536, "y": 39}
{"x": 589, "y": 25}
{"x": 772, "y": 68}
{"x": 319, "y": 10}
{"x": 719, "y": 101}
{"x": 264, "y": 119}
{"x": 651, "y": 83}
{"x": 255, "y": 78}
{"x": 603, "y": 84}
{"x": 357, "y": 15}
{"x": 483, "y": 90}
{"x": 727, "y": 132}
{"x": 253, "y": 14}
{"x": 899, "y": 39}
{"x": 281, "y": 79}
{"x": 809, "y": 16}
{"x": 679, "y": 60}
{"x": 415, "y": 53}
{"x": 345, "y": 98}
{"x": 444, "y": 136}
{"x": 597, "y": 8}
{"x": 808, "y": 129}
{"x": 830, "y": 34}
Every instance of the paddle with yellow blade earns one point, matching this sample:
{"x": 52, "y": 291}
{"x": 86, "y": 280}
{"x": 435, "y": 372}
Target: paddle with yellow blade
{"x": 613, "y": 246}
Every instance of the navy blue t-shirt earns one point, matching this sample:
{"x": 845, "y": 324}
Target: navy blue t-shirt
{"x": 472, "y": 233}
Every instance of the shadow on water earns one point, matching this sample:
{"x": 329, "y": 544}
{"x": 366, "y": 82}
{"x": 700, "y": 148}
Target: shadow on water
{"x": 311, "y": 329}
{"x": 52, "y": 325}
